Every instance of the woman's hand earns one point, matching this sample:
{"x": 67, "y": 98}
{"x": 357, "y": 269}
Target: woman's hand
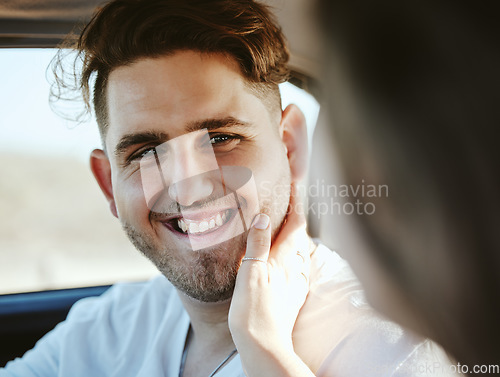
{"x": 271, "y": 287}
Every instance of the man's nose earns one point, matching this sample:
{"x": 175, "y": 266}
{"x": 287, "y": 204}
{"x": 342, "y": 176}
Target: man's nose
{"x": 189, "y": 183}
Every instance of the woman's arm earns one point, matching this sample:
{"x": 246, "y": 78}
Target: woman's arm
{"x": 271, "y": 287}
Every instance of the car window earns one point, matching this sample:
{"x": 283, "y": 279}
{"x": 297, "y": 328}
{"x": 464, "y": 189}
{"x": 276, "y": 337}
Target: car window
{"x": 55, "y": 227}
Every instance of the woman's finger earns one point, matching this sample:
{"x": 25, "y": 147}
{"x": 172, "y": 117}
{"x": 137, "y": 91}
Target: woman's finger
{"x": 259, "y": 240}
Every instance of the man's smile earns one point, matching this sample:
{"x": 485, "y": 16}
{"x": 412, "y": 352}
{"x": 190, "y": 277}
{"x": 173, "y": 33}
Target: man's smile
{"x": 206, "y": 227}
{"x": 192, "y": 225}
{"x": 199, "y": 222}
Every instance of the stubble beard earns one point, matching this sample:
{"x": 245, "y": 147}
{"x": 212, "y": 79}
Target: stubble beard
{"x": 210, "y": 275}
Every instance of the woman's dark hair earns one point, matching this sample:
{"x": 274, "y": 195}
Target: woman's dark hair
{"x": 426, "y": 82}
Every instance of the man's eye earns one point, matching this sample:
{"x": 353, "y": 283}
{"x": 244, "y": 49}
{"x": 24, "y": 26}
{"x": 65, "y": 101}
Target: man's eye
{"x": 137, "y": 156}
{"x": 224, "y": 140}
{"x": 219, "y": 139}
{"x": 148, "y": 151}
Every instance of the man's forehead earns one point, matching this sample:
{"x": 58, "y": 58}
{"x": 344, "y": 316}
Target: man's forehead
{"x": 177, "y": 87}
{"x": 174, "y": 70}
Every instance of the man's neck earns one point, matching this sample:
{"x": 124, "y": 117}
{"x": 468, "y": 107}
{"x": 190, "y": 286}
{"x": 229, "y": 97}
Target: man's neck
{"x": 209, "y": 322}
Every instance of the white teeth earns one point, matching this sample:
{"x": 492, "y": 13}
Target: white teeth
{"x": 182, "y": 225}
{"x": 203, "y": 226}
{"x": 193, "y": 227}
{"x": 218, "y": 220}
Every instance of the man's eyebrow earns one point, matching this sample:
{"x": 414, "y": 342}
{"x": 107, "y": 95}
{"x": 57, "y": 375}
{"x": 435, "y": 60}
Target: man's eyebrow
{"x": 161, "y": 137}
{"x": 213, "y": 124}
{"x": 139, "y": 138}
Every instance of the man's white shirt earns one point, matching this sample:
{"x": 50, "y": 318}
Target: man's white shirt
{"x": 139, "y": 329}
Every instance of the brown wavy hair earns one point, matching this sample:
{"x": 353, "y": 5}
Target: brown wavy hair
{"x": 124, "y": 31}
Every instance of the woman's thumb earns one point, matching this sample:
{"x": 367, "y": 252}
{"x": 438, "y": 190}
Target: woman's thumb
{"x": 259, "y": 238}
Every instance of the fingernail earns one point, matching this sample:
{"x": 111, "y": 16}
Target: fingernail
{"x": 261, "y": 221}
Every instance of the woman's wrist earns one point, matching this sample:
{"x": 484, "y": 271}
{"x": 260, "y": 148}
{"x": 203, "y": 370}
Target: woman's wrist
{"x": 274, "y": 359}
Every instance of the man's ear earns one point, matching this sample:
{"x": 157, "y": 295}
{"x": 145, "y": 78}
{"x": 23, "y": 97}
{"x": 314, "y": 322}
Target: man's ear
{"x": 101, "y": 168}
{"x": 294, "y": 134}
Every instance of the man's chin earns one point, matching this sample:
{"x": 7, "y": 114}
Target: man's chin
{"x": 209, "y": 274}
{"x": 207, "y": 296}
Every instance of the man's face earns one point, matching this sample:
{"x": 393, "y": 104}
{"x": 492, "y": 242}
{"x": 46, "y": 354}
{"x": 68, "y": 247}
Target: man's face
{"x": 198, "y": 107}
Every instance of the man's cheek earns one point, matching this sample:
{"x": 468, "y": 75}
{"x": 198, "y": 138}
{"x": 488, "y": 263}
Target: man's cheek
{"x": 265, "y": 189}
{"x": 152, "y": 182}
{"x": 243, "y": 189}
{"x": 130, "y": 202}
{"x": 278, "y": 199}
